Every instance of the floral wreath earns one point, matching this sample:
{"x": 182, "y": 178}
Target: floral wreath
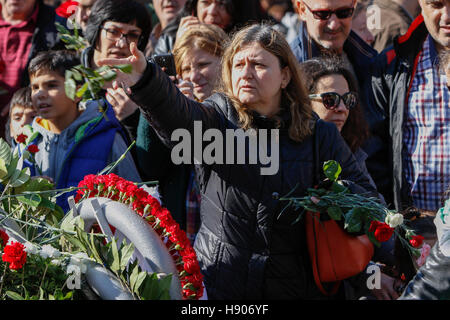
{"x": 159, "y": 218}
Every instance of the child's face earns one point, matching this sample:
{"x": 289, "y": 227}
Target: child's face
{"x": 49, "y": 98}
{"x": 20, "y": 116}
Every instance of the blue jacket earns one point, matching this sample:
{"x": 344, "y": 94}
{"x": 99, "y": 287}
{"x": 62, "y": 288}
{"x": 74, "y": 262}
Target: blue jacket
{"x": 361, "y": 56}
{"x": 87, "y": 146}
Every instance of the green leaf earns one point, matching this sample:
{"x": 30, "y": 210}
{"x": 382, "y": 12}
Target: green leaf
{"x": 125, "y": 254}
{"x": 32, "y": 200}
{"x": 164, "y": 283}
{"x": 83, "y": 237}
{"x": 82, "y": 90}
{"x": 332, "y": 170}
{"x": 5, "y": 151}
{"x": 41, "y": 294}
{"x": 354, "y": 219}
{"x": 24, "y": 176}
{"x": 335, "y": 213}
{"x": 61, "y": 29}
{"x": 35, "y": 184}
{"x": 3, "y": 169}
{"x": 136, "y": 278}
{"x": 13, "y": 165}
{"x": 115, "y": 264}
{"x": 125, "y": 68}
{"x": 94, "y": 248}
{"x": 32, "y": 137}
{"x": 14, "y": 295}
{"x": 109, "y": 75}
{"x": 71, "y": 87}
{"x": 150, "y": 287}
{"x": 68, "y": 295}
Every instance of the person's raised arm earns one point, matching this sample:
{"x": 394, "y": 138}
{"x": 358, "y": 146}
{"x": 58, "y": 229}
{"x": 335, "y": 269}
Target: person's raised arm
{"x": 160, "y": 101}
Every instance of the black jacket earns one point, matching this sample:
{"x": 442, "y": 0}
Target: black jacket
{"x": 392, "y": 73}
{"x": 244, "y": 251}
{"x": 45, "y": 36}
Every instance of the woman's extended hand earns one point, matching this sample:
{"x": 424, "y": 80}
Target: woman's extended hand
{"x": 137, "y": 61}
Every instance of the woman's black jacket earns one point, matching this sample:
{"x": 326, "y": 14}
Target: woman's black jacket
{"x": 244, "y": 250}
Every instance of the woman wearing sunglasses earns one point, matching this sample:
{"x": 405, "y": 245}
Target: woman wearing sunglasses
{"x": 334, "y": 98}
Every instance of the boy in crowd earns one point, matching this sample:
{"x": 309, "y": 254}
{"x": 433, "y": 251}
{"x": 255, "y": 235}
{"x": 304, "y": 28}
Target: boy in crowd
{"x": 21, "y": 113}
{"x": 73, "y": 142}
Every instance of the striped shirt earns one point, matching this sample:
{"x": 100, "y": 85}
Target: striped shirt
{"x": 426, "y": 132}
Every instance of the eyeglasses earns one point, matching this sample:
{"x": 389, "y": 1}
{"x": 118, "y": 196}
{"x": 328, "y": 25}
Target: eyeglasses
{"x": 325, "y": 14}
{"x": 114, "y": 34}
{"x": 331, "y": 100}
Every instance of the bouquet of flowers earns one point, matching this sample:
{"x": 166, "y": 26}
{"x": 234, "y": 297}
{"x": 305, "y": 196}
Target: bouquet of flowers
{"x": 357, "y": 212}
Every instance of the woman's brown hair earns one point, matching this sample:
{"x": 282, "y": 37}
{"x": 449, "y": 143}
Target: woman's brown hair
{"x": 355, "y": 130}
{"x": 207, "y": 37}
{"x": 295, "y": 92}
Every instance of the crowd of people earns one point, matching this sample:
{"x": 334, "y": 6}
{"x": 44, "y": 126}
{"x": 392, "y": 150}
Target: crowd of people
{"x": 362, "y": 82}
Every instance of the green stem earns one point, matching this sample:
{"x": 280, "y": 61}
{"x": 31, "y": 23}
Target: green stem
{"x": 2, "y": 280}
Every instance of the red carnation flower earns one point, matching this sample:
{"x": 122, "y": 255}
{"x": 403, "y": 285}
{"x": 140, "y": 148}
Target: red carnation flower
{"x": 67, "y": 9}
{"x": 381, "y": 230}
{"x": 3, "y": 238}
{"x": 15, "y": 255}
{"x": 21, "y": 138}
{"x": 416, "y": 241}
{"x": 33, "y": 148}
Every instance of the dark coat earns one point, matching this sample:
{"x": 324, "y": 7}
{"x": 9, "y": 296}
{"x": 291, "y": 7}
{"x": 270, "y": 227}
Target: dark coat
{"x": 244, "y": 250}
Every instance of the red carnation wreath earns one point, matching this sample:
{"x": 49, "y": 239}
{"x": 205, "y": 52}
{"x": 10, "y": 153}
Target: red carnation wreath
{"x": 118, "y": 189}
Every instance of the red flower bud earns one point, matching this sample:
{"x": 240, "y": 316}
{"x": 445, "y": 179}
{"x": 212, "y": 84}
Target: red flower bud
{"x": 67, "y": 9}
{"x": 21, "y": 138}
{"x": 416, "y": 241}
{"x": 381, "y": 230}
{"x": 33, "y": 148}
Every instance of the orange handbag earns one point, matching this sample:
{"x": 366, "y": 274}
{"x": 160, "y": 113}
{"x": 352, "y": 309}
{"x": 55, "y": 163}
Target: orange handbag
{"x": 335, "y": 255}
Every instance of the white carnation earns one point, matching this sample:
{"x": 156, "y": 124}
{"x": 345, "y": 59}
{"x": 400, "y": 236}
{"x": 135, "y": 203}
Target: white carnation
{"x": 30, "y": 248}
{"x": 48, "y": 251}
{"x": 394, "y": 220}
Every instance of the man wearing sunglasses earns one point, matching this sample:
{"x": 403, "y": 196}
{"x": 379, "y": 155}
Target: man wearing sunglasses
{"x": 408, "y": 85}
{"x": 326, "y": 29}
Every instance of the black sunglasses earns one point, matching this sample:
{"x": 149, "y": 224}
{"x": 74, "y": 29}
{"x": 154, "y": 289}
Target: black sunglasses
{"x": 325, "y": 14}
{"x": 331, "y": 100}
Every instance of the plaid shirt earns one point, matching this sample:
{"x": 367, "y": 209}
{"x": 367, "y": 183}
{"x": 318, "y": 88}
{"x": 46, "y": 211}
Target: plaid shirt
{"x": 426, "y": 132}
